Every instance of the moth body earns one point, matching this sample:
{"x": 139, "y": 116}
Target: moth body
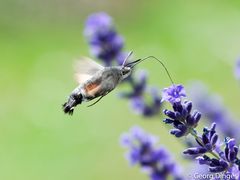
{"x": 97, "y": 84}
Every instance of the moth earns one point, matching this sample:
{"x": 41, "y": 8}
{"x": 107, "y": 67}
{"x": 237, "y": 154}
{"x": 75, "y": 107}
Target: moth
{"x": 96, "y": 81}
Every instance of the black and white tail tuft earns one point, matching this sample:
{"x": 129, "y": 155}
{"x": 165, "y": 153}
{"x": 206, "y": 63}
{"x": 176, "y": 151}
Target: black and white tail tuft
{"x": 73, "y": 101}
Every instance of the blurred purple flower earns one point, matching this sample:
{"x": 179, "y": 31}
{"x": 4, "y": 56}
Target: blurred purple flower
{"x": 237, "y": 69}
{"x": 198, "y": 172}
{"x": 139, "y": 90}
{"x": 139, "y": 105}
{"x": 138, "y": 85}
{"x": 102, "y": 37}
{"x": 174, "y": 93}
{"x": 213, "y": 110}
{"x": 182, "y": 119}
{"x": 121, "y": 57}
{"x": 142, "y": 150}
{"x": 98, "y": 23}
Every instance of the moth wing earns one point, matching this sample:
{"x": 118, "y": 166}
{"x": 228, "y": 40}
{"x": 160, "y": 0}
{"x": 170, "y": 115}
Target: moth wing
{"x": 85, "y": 68}
{"x": 81, "y": 78}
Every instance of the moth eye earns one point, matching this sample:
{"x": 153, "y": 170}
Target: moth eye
{"x": 125, "y": 71}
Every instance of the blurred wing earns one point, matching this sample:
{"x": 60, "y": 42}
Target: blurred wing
{"x": 85, "y": 68}
{"x": 81, "y": 78}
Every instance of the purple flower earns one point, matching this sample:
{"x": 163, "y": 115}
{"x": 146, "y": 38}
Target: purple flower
{"x": 97, "y": 23}
{"x": 227, "y": 162}
{"x": 182, "y": 119}
{"x": 231, "y": 150}
{"x": 215, "y": 165}
{"x": 143, "y": 151}
{"x": 221, "y": 161}
{"x": 174, "y": 93}
{"x": 102, "y": 37}
{"x": 237, "y": 69}
{"x": 138, "y": 85}
{"x": 121, "y": 57}
{"x": 140, "y": 106}
{"x": 139, "y": 90}
{"x": 207, "y": 142}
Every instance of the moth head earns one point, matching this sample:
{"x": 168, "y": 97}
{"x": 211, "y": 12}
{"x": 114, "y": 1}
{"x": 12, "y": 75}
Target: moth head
{"x": 126, "y": 71}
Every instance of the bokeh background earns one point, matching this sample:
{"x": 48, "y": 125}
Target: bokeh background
{"x": 197, "y": 40}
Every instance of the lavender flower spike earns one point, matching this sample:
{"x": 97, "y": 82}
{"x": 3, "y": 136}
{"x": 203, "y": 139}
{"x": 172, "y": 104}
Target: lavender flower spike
{"x": 97, "y": 23}
{"x": 142, "y": 150}
{"x": 225, "y": 161}
{"x": 102, "y": 37}
{"x": 207, "y": 142}
{"x": 140, "y": 106}
{"x": 174, "y": 93}
{"x": 182, "y": 119}
{"x": 137, "y": 94}
{"x": 231, "y": 150}
{"x": 138, "y": 85}
{"x": 228, "y": 162}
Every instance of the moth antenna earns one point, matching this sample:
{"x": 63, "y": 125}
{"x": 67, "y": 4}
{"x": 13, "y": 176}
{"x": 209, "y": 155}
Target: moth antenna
{"x": 129, "y": 54}
{"x": 141, "y": 60}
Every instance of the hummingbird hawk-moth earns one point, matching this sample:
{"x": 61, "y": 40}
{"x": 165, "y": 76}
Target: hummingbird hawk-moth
{"x": 96, "y": 81}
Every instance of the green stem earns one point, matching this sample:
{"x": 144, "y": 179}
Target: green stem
{"x": 193, "y": 133}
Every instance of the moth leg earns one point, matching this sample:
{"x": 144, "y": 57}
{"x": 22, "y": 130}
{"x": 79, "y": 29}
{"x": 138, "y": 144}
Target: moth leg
{"x": 96, "y": 101}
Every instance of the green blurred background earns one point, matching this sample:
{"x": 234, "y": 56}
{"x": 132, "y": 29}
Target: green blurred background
{"x": 198, "y": 40}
